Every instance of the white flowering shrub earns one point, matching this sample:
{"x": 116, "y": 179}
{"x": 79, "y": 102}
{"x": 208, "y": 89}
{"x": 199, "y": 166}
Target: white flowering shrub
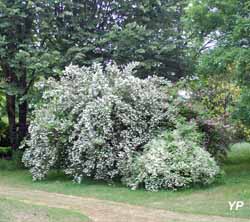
{"x": 93, "y": 120}
{"x": 171, "y": 161}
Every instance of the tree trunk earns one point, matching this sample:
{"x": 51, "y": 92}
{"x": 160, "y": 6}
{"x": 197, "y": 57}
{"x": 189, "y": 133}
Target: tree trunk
{"x": 23, "y": 129}
{"x": 23, "y": 109}
{"x": 11, "y": 78}
{"x": 11, "y": 111}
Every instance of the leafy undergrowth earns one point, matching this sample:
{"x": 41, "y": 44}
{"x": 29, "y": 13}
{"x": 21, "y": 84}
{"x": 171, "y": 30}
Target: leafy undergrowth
{"x": 14, "y": 211}
{"x": 212, "y": 200}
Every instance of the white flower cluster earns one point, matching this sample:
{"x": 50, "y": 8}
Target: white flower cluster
{"x": 171, "y": 161}
{"x": 93, "y": 120}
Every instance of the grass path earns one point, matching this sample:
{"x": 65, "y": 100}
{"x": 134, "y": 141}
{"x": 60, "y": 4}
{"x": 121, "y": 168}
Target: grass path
{"x": 211, "y": 200}
{"x": 105, "y": 211}
{"x": 116, "y": 203}
{"x": 17, "y": 211}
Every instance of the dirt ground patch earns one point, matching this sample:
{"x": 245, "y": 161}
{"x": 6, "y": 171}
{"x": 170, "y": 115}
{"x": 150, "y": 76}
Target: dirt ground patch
{"x": 106, "y": 211}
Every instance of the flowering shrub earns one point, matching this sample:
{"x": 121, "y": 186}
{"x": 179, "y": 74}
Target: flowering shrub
{"x": 218, "y": 132}
{"x": 93, "y": 120}
{"x": 218, "y": 136}
{"x": 173, "y": 160}
{"x": 210, "y": 105}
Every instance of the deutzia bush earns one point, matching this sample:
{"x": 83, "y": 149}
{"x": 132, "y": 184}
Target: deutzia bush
{"x": 93, "y": 120}
{"x": 173, "y": 160}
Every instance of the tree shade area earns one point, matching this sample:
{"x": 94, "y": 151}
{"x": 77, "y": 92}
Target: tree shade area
{"x": 149, "y": 94}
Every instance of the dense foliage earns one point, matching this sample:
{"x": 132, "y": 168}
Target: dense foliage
{"x": 108, "y": 122}
{"x": 220, "y": 31}
{"x": 39, "y": 38}
{"x": 92, "y": 120}
{"x": 211, "y": 105}
{"x": 95, "y": 120}
{"x": 218, "y": 131}
{"x": 173, "y": 160}
{"x": 241, "y": 115}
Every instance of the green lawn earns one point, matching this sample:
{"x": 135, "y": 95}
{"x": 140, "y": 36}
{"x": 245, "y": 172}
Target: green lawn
{"x": 13, "y": 211}
{"x": 212, "y": 200}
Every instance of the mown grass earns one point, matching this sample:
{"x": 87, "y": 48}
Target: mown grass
{"x": 211, "y": 200}
{"x": 14, "y": 211}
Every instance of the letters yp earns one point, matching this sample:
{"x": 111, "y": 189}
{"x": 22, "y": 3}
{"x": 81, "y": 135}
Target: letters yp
{"x": 235, "y": 205}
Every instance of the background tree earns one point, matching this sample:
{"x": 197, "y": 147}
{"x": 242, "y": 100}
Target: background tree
{"x": 38, "y": 38}
{"x": 23, "y": 58}
{"x": 103, "y": 31}
{"x": 220, "y": 33}
{"x": 220, "y": 29}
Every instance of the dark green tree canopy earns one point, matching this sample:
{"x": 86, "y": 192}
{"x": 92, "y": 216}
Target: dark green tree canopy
{"x": 149, "y": 31}
{"x": 39, "y": 38}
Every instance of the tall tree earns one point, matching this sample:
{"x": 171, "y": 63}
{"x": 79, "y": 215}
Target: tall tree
{"x": 221, "y": 36}
{"x": 38, "y": 38}
{"x": 148, "y": 31}
{"x": 22, "y": 59}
